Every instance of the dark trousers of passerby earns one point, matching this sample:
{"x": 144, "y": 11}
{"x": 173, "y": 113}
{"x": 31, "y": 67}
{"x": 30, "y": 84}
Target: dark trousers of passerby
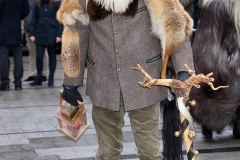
{"x": 40, "y": 49}
{"x": 4, "y": 64}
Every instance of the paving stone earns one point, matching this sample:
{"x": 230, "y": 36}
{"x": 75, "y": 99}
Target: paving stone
{"x": 12, "y": 130}
{"x": 90, "y": 139}
{"x": 18, "y": 110}
{"x": 6, "y": 115}
{"x": 28, "y": 104}
{"x": 55, "y": 151}
{"x": 6, "y": 148}
{"x": 50, "y": 139}
{"x": 225, "y": 141}
{"x": 90, "y": 130}
{"x": 35, "y": 111}
{"x": 35, "y": 120}
{"x": 201, "y": 157}
{"x": 91, "y": 158}
{"x": 13, "y": 142}
{"x": 43, "y": 158}
{"x": 5, "y": 110}
{"x": 32, "y": 146}
{"x": 4, "y": 121}
{"x": 90, "y": 151}
{"x": 202, "y": 143}
{"x": 4, "y": 137}
{"x": 21, "y": 114}
{"x": 19, "y": 125}
{"x": 128, "y": 137}
{"x": 1, "y": 127}
{"x": 43, "y": 116}
{"x": 25, "y": 136}
{"x": 30, "y": 128}
{"x": 18, "y": 155}
{"x": 80, "y": 152}
{"x": 226, "y": 156}
{"x": 15, "y": 105}
{"x": 45, "y": 127}
{"x": 53, "y": 134}
{"x": 70, "y": 143}
{"x": 3, "y": 105}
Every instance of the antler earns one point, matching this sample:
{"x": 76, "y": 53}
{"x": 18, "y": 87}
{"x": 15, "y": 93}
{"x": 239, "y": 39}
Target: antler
{"x": 179, "y": 88}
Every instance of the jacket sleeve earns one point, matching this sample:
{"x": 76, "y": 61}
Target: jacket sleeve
{"x": 1, "y": 5}
{"x": 60, "y": 25}
{"x": 183, "y": 55}
{"x": 34, "y": 21}
{"x": 60, "y": 30}
{"x": 74, "y": 40}
{"x": 25, "y": 9}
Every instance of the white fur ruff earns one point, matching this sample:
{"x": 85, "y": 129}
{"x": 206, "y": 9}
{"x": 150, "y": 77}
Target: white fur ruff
{"x": 117, "y": 6}
{"x": 183, "y": 110}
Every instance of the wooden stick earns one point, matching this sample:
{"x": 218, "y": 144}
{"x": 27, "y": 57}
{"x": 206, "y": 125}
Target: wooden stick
{"x": 178, "y": 87}
{"x": 185, "y": 129}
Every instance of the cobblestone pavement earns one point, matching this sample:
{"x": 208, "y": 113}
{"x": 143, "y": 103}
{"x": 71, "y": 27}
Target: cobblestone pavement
{"x": 28, "y": 128}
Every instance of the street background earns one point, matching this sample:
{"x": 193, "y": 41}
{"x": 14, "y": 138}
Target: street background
{"x": 28, "y": 128}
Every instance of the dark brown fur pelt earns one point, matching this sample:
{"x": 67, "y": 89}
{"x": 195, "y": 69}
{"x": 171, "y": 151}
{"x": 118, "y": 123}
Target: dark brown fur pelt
{"x": 97, "y": 12}
{"x": 216, "y": 50}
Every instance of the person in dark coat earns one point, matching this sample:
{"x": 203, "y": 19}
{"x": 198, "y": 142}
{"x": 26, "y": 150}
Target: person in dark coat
{"x": 11, "y": 14}
{"x": 45, "y": 31}
{"x": 32, "y": 70}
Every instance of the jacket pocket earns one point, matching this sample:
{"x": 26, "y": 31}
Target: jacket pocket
{"x": 90, "y": 61}
{"x": 154, "y": 59}
{"x": 141, "y": 9}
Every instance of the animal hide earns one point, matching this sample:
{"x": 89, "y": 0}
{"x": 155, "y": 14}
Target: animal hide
{"x": 170, "y": 22}
{"x": 69, "y": 14}
{"x": 216, "y": 50}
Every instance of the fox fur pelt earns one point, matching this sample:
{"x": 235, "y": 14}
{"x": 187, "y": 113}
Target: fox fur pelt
{"x": 216, "y": 49}
{"x": 170, "y": 22}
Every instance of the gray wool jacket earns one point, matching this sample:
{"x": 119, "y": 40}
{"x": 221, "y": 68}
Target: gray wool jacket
{"x": 110, "y": 47}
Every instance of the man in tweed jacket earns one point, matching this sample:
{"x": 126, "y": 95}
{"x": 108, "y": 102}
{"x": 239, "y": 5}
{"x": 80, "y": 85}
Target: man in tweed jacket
{"x": 114, "y": 36}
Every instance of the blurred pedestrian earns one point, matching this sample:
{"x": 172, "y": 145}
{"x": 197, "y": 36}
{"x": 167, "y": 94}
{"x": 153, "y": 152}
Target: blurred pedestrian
{"x": 196, "y": 13}
{"x": 32, "y": 72}
{"x": 11, "y": 14}
{"x": 46, "y": 32}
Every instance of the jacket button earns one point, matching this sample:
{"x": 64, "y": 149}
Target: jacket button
{"x": 46, "y": 10}
{"x": 117, "y": 51}
{"x": 115, "y": 32}
{"x": 119, "y": 69}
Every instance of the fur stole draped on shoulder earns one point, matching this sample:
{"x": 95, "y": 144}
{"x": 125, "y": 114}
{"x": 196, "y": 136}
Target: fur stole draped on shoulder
{"x": 170, "y": 23}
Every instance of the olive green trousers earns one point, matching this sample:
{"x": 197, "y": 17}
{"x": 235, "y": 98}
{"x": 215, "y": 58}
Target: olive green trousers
{"x": 144, "y": 125}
